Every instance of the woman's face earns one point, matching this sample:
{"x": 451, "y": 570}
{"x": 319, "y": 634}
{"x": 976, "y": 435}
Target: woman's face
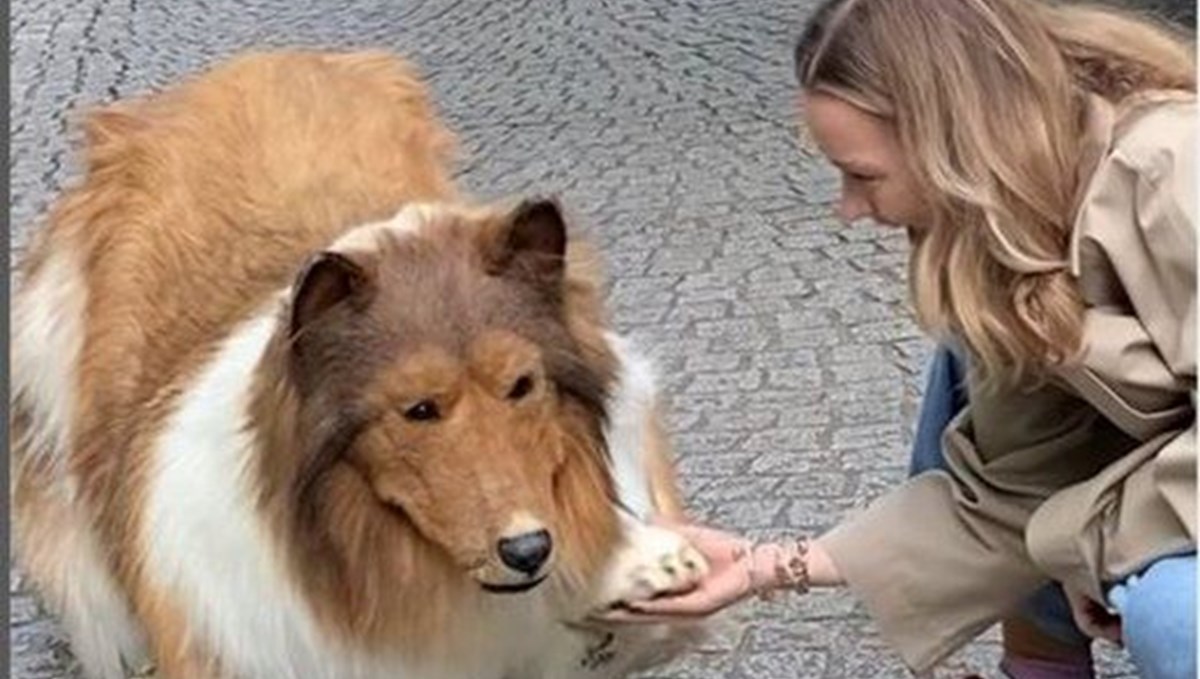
{"x": 876, "y": 181}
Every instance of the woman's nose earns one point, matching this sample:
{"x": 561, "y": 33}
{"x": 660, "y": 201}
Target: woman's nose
{"x": 852, "y": 207}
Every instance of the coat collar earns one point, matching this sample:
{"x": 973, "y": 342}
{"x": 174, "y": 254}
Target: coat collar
{"x": 1104, "y": 123}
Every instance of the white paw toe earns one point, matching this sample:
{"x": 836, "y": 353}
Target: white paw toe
{"x": 655, "y": 562}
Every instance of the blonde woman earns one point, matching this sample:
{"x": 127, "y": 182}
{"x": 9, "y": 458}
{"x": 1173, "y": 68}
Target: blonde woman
{"x": 1042, "y": 161}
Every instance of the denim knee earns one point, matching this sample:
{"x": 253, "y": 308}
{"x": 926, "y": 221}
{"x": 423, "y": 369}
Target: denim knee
{"x": 1158, "y": 617}
{"x": 1049, "y": 610}
{"x": 944, "y": 396}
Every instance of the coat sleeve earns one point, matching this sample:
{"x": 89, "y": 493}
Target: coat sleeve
{"x": 941, "y": 558}
{"x": 1141, "y": 365}
{"x": 936, "y": 561}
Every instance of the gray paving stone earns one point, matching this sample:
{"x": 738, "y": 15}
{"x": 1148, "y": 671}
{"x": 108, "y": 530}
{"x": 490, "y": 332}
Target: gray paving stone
{"x": 783, "y": 462}
{"x": 782, "y": 439}
{"x": 740, "y": 489}
{"x": 742, "y": 514}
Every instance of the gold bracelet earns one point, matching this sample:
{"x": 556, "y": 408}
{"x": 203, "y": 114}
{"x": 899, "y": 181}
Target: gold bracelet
{"x": 792, "y": 569}
{"x": 758, "y": 589}
{"x": 801, "y": 581}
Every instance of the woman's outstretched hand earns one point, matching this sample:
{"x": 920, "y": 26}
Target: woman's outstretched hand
{"x": 730, "y": 579}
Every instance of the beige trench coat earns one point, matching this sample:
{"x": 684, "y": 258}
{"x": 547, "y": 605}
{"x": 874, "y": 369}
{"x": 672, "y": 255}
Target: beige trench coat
{"x": 1088, "y": 479}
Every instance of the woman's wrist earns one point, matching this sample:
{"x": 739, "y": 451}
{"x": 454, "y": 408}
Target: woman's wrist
{"x": 790, "y": 564}
{"x": 780, "y": 565}
{"x": 760, "y": 564}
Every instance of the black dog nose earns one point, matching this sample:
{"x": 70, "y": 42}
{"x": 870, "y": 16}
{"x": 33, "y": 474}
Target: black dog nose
{"x": 526, "y": 552}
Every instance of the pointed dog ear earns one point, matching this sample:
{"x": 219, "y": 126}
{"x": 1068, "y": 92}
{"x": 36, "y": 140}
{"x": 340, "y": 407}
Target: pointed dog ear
{"x": 530, "y": 241}
{"x": 327, "y": 280}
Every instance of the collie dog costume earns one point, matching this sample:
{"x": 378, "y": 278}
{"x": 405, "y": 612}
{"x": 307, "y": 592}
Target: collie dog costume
{"x": 285, "y": 406}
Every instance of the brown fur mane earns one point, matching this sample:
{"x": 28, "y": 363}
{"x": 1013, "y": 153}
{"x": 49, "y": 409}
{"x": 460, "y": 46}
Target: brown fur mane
{"x": 366, "y": 567}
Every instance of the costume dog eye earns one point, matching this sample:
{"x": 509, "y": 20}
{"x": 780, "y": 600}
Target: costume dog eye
{"x": 521, "y": 388}
{"x": 425, "y": 411}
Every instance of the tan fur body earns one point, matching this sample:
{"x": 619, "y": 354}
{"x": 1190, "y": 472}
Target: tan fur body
{"x": 194, "y": 325}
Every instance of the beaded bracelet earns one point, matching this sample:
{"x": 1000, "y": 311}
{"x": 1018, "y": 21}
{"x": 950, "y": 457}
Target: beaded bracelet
{"x": 790, "y": 567}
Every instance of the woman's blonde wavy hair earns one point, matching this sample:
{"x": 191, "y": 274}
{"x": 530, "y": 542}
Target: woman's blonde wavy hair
{"x": 989, "y": 101}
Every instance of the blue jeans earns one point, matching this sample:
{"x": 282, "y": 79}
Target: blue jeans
{"x": 1157, "y": 606}
{"x": 1158, "y": 617}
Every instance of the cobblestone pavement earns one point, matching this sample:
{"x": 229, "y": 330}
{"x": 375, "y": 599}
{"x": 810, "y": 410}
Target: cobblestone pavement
{"x": 666, "y": 126}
